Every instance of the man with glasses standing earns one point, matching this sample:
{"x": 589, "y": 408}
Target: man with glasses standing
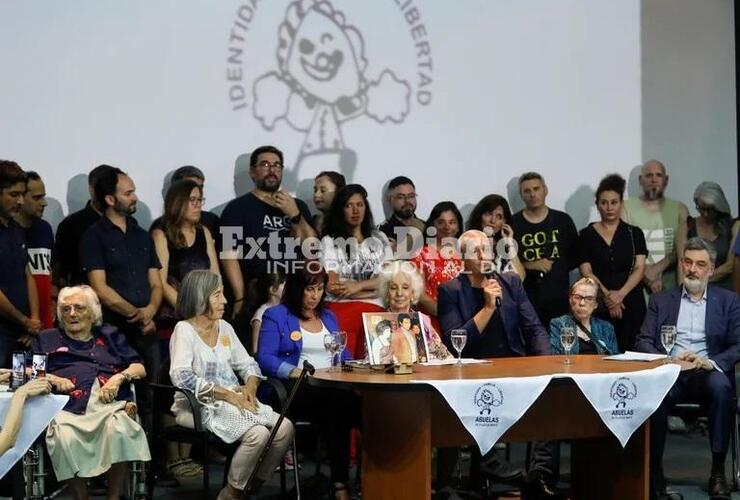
{"x": 403, "y": 222}
{"x": 254, "y": 227}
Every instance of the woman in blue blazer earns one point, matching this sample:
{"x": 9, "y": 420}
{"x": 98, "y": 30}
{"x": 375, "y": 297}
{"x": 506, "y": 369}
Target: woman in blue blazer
{"x": 594, "y": 335}
{"x": 294, "y": 331}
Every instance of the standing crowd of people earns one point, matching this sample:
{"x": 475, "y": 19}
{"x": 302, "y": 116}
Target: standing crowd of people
{"x": 226, "y": 301}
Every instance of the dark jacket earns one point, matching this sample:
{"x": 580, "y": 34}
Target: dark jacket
{"x": 277, "y": 352}
{"x": 524, "y": 332}
{"x": 722, "y": 324}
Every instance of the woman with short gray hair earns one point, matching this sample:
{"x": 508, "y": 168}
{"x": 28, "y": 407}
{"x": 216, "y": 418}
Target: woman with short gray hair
{"x": 206, "y": 356}
{"x": 714, "y": 224}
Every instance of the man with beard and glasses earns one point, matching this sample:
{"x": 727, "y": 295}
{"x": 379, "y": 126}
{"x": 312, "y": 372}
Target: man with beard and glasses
{"x": 707, "y": 321}
{"x": 254, "y": 227}
{"x": 403, "y": 223}
{"x": 662, "y": 220}
{"x": 123, "y": 269}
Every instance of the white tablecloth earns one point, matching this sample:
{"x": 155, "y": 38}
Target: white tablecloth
{"x": 37, "y": 413}
{"x": 488, "y": 407}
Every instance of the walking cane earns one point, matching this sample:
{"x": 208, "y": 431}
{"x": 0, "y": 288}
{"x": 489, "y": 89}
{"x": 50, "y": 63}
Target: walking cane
{"x": 307, "y": 369}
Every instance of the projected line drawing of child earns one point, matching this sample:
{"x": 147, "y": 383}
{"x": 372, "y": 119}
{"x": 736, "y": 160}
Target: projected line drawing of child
{"x": 322, "y": 82}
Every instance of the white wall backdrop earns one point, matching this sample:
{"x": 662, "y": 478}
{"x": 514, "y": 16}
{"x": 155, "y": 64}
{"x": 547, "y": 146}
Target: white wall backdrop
{"x": 460, "y": 99}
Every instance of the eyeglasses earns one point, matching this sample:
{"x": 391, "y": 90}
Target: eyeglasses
{"x": 196, "y": 202}
{"x": 704, "y": 208}
{"x": 78, "y": 308}
{"x": 589, "y": 299}
{"x": 265, "y": 165}
{"x": 405, "y": 197}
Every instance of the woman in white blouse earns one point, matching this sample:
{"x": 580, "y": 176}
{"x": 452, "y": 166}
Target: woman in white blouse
{"x": 206, "y": 357}
{"x": 352, "y": 253}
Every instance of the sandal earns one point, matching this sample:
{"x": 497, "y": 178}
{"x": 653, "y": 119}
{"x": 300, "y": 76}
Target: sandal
{"x": 184, "y": 468}
{"x": 195, "y": 468}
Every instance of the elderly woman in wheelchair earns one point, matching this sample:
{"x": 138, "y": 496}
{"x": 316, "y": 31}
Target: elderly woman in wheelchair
{"x": 206, "y": 357}
{"x": 97, "y": 430}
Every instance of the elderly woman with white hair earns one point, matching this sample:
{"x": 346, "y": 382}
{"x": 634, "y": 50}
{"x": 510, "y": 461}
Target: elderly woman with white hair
{"x": 595, "y": 336}
{"x": 400, "y": 286}
{"x": 96, "y": 431}
{"x": 714, "y": 224}
{"x": 206, "y": 357}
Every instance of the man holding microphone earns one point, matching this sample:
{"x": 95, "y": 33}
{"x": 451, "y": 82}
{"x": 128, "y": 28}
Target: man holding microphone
{"x": 500, "y": 321}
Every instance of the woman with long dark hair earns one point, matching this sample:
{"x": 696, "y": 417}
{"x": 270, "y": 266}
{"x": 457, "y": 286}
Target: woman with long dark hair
{"x": 325, "y": 186}
{"x": 293, "y": 332}
{"x": 613, "y": 254}
{"x": 439, "y": 262}
{"x": 492, "y": 215}
{"x": 353, "y": 252}
{"x": 182, "y": 244}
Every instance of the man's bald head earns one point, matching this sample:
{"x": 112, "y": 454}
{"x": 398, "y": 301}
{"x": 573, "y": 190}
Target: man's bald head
{"x": 652, "y": 164}
{"x": 653, "y": 180}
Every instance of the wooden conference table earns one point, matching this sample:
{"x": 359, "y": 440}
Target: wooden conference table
{"x": 403, "y": 421}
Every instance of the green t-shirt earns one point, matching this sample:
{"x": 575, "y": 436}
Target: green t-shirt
{"x": 660, "y": 229}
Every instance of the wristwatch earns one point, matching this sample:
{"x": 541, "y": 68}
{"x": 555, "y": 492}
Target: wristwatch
{"x": 296, "y": 219}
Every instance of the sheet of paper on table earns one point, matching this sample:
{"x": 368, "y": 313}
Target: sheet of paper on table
{"x": 635, "y": 356}
{"x": 465, "y": 361}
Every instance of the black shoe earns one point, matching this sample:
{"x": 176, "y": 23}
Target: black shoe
{"x": 501, "y": 471}
{"x": 718, "y": 488}
{"x": 539, "y": 487}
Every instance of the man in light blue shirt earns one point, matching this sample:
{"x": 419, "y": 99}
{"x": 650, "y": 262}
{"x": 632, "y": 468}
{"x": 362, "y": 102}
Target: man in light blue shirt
{"x": 707, "y": 322}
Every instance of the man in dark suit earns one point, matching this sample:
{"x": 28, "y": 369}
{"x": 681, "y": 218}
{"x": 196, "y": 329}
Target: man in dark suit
{"x": 510, "y": 329}
{"x": 707, "y": 321}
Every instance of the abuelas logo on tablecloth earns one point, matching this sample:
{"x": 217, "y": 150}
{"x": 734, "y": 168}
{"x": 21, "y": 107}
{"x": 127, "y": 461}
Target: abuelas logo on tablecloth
{"x": 487, "y": 397}
{"x": 321, "y": 78}
{"x": 622, "y": 391}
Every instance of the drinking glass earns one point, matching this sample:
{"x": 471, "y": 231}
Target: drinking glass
{"x": 459, "y": 338}
{"x": 331, "y": 346}
{"x": 668, "y": 339}
{"x": 567, "y": 339}
{"x": 341, "y": 338}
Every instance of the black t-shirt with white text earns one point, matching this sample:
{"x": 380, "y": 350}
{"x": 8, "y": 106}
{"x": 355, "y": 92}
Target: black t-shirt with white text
{"x": 247, "y": 224}
{"x": 554, "y": 238}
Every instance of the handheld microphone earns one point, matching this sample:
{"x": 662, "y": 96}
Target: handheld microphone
{"x": 493, "y": 275}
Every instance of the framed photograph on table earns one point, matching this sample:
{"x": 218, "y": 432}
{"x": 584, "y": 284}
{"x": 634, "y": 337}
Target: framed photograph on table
{"x": 393, "y": 338}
